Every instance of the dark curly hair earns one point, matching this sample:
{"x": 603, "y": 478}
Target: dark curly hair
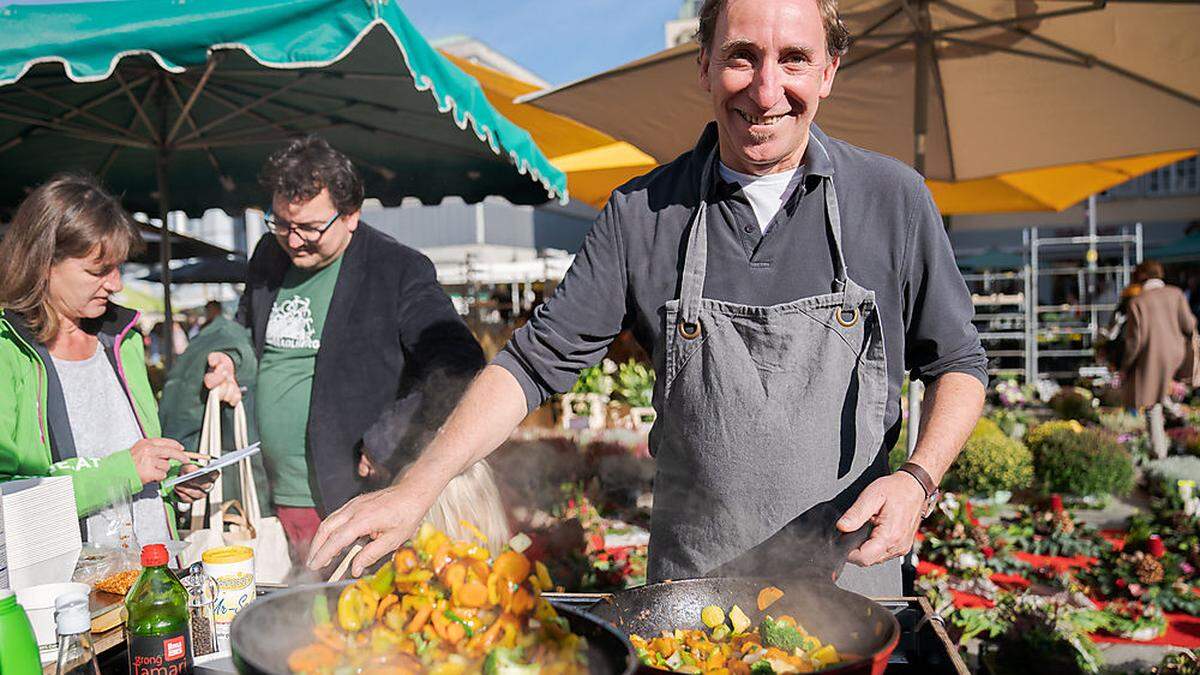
{"x": 301, "y": 170}
{"x": 837, "y": 38}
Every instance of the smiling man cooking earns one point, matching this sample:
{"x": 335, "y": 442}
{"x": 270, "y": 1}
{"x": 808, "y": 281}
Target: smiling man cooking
{"x": 781, "y": 314}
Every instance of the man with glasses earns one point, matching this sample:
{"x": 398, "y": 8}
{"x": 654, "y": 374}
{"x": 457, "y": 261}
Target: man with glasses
{"x": 360, "y": 351}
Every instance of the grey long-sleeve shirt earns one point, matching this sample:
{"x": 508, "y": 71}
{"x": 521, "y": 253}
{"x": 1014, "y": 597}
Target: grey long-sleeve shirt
{"x": 630, "y": 264}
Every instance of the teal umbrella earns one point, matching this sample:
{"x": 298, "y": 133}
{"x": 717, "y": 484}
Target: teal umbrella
{"x": 175, "y": 105}
{"x": 1183, "y": 249}
{"x": 993, "y": 260}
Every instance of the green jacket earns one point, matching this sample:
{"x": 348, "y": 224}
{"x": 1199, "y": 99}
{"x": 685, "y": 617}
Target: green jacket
{"x": 35, "y": 434}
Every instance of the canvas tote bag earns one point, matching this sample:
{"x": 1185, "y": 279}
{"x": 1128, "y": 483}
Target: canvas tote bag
{"x": 235, "y": 522}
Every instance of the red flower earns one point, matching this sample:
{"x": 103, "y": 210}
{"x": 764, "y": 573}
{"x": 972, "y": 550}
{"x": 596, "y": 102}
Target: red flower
{"x": 988, "y": 551}
{"x": 1121, "y": 583}
{"x": 970, "y": 513}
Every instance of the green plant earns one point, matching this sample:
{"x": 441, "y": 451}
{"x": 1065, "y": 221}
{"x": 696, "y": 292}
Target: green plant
{"x": 1031, "y": 634}
{"x": 1082, "y": 463}
{"x": 1036, "y": 435}
{"x": 635, "y": 384}
{"x": 1013, "y": 422}
{"x": 594, "y": 380}
{"x": 1121, "y": 422}
{"x": 1074, "y": 403}
{"x": 991, "y": 461}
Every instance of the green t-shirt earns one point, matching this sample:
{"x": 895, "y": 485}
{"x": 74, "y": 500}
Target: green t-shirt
{"x": 285, "y": 377}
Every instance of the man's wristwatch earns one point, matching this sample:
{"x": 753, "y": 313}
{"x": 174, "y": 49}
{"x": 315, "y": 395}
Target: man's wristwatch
{"x": 926, "y": 481}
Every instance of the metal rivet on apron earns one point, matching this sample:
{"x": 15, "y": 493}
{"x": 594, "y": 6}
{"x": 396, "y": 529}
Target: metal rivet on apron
{"x": 690, "y": 331}
{"x": 841, "y": 314}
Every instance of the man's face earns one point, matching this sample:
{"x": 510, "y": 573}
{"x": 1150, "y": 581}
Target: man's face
{"x": 300, "y": 242}
{"x": 767, "y": 69}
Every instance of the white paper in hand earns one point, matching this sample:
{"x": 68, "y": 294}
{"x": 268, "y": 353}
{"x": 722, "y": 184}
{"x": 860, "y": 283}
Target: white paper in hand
{"x": 225, "y": 460}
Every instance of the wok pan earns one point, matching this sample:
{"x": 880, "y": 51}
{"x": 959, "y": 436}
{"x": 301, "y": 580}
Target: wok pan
{"x": 268, "y": 629}
{"x": 863, "y": 631}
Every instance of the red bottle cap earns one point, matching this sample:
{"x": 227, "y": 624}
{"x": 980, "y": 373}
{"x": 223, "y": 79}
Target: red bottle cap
{"x": 154, "y": 555}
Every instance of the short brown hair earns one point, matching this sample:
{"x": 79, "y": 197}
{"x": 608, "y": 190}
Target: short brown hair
{"x": 307, "y": 165}
{"x": 837, "y": 38}
{"x": 66, "y": 217}
{"x": 1147, "y": 270}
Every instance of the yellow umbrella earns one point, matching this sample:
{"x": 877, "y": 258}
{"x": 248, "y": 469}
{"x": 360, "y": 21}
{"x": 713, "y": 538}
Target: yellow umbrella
{"x": 1048, "y": 189}
{"x": 594, "y": 162}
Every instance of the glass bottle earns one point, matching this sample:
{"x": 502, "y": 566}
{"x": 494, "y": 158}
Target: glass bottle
{"x": 76, "y": 653}
{"x": 157, "y": 624}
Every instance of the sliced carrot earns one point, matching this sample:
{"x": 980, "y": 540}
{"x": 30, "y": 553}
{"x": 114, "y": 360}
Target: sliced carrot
{"x": 521, "y": 602}
{"x": 512, "y": 566}
{"x": 455, "y": 632}
{"x": 312, "y": 658}
{"x": 768, "y": 596}
{"x": 473, "y": 594}
{"x": 419, "y": 620}
{"x": 405, "y": 560}
{"x": 454, "y": 574}
{"x": 389, "y": 600}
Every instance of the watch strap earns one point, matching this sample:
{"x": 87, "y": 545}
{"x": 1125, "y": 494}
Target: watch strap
{"x": 917, "y": 471}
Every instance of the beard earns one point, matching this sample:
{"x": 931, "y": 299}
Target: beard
{"x": 761, "y": 137}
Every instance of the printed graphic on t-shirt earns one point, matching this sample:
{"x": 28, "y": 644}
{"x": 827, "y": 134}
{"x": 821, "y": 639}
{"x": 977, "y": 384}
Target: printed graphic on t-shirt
{"x": 291, "y": 325}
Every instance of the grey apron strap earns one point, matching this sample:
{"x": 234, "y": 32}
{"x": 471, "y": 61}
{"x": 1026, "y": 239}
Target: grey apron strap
{"x": 853, "y": 294}
{"x": 695, "y": 263}
{"x": 691, "y": 288}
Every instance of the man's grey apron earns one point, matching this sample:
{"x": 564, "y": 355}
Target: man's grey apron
{"x": 767, "y": 412}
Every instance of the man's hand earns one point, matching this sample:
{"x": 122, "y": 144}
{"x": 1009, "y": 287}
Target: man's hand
{"x": 220, "y": 378}
{"x": 152, "y": 458}
{"x": 389, "y": 517}
{"x": 190, "y": 492}
{"x": 895, "y": 505}
{"x": 366, "y": 468}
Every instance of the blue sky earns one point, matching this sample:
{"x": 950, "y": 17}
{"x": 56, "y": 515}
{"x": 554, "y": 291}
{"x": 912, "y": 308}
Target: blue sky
{"x": 559, "y": 41}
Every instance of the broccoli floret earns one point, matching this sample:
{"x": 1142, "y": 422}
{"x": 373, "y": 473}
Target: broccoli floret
{"x": 501, "y": 661}
{"x": 762, "y": 667}
{"x": 780, "y": 635}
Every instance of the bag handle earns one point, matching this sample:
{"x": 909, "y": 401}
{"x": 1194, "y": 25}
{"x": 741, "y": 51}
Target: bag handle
{"x": 241, "y": 434}
{"x": 210, "y": 444}
{"x": 233, "y": 513}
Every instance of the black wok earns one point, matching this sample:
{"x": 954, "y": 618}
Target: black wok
{"x": 271, "y": 627}
{"x": 859, "y": 628}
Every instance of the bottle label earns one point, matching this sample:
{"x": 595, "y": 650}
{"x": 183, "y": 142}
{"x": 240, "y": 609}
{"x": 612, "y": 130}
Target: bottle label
{"x": 160, "y": 654}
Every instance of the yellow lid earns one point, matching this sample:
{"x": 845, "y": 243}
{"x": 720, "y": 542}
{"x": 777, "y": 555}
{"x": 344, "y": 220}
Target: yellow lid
{"x": 227, "y": 554}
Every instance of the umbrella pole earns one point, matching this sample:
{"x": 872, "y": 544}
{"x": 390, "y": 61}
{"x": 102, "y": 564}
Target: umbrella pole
{"x": 164, "y": 257}
{"x": 924, "y": 56}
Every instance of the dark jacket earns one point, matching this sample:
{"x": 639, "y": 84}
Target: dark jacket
{"x": 394, "y": 358}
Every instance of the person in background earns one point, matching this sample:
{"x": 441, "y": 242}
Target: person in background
{"x": 1157, "y": 335}
{"x": 212, "y": 312}
{"x": 72, "y": 366}
{"x": 181, "y": 408}
{"x": 361, "y": 353}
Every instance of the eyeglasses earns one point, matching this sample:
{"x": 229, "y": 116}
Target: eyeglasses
{"x": 283, "y": 228}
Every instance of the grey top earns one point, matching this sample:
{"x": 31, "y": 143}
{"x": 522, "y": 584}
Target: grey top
{"x": 629, "y": 267}
{"x": 102, "y": 422}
